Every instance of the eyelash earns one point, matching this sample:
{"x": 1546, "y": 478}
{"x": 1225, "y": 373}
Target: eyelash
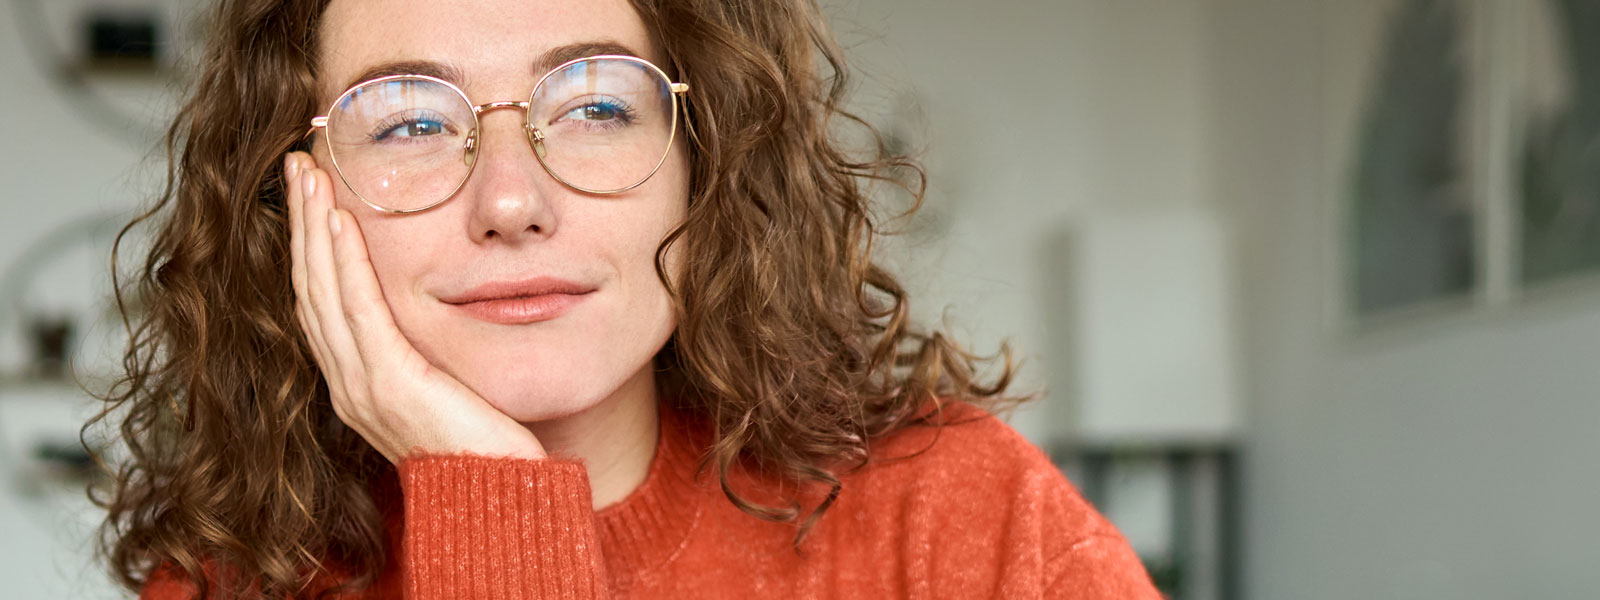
{"x": 384, "y": 130}
{"x": 626, "y": 113}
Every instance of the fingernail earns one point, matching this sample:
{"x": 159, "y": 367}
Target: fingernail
{"x": 311, "y": 183}
{"x": 333, "y": 221}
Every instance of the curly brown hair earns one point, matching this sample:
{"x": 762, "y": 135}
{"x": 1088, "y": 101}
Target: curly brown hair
{"x": 792, "y": 343}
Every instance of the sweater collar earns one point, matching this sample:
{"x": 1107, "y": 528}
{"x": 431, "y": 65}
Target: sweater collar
{"x": 648, "y": 527}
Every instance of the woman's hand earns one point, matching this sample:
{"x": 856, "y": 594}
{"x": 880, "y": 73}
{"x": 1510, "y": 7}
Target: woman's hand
{"x": 381, "y": 386}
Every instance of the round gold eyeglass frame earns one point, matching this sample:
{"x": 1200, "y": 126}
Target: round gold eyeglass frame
{"x": 534, "y": 135}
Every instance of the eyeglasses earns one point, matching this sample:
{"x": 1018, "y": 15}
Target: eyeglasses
{"x": 405, "y": 143}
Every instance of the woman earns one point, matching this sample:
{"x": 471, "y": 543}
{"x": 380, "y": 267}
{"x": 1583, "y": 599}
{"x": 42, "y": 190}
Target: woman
{"x": 554, "y": 299}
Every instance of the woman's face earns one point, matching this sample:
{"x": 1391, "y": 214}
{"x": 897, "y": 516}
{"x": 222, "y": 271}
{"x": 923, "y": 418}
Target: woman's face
{"x": 511, "y": 221}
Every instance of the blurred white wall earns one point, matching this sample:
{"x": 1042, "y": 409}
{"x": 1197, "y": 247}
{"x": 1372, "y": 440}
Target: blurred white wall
{"x": 1032, "y": 112}
{"x": 1448, "y": 457}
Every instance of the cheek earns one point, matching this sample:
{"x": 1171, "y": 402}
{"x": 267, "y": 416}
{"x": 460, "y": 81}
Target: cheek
{"x": 399, "y": 246}
{"x": 637, "y": 258}
{"x": 400, "y": 254}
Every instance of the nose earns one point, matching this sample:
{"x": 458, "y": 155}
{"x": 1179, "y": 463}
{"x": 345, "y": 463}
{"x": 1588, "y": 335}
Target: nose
{"x": 509, "y": 191}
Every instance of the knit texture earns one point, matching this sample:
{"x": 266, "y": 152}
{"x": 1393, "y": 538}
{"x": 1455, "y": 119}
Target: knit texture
{"x": 967, "y": 510}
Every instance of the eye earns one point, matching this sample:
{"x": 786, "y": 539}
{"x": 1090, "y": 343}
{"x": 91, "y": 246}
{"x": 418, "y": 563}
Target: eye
{"x": 594, "y": 112}
{"x": 411, "y": 128}
{"x": 600, "y": 112}
{"x": 421, "y": 128}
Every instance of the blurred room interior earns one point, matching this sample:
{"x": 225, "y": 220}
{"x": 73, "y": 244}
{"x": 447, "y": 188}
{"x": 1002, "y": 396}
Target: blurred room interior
{"x": 1311, "y": 284}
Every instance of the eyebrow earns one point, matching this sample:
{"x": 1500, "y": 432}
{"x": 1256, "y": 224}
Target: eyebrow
{"x": 549, "y": 60}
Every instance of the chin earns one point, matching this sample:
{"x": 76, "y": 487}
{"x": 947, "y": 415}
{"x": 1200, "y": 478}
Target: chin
{"x": 537, "y": 374}
{"x": 537, "y": 393}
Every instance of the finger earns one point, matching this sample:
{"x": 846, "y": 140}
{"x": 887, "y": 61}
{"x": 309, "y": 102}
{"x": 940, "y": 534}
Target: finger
{"x": 297, "y": 245}
{"x": 296, "y": 164}
{"x": 371, "y": 323}
{"x": 313, "y": 342}
{"x": 297, "y": 239}
{"x": 305, "y": 316}
{"x": 322, "y": 280}
{"x": 330, "y": 373}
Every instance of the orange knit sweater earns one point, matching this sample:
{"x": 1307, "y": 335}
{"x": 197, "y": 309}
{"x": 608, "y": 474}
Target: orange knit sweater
{"x": 981, "y": 513}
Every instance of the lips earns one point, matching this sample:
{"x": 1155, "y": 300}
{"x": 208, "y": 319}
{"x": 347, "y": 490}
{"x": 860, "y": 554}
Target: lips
{"x": 520, "y": 302}
{"x": 504, "y": 290}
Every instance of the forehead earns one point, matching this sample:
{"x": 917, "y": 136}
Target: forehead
{"x": 493, "y": 44}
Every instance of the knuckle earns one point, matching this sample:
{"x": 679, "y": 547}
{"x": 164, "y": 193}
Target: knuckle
{"x": 386, "y": 387}
{"x": 348, "y": 404}
{"x": 382, "y": 386}
{"x": 336, "y": 400}
{"x": 352, "y": 314}
{"x": 317, "y": 296}
{"x": 361, "y": 411}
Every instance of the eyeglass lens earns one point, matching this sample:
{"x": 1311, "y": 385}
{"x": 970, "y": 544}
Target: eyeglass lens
{"x": 603, "y": 125}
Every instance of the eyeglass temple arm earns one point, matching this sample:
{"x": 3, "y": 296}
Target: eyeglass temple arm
{"x": 315, "y": 123}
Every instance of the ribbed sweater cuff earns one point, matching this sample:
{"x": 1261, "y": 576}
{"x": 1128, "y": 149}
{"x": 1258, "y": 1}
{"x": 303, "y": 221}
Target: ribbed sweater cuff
{"x": 511, "y": 528}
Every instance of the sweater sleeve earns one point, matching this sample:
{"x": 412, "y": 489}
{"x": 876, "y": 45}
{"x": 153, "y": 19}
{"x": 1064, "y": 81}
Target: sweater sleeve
{"x": 481, "y": 527}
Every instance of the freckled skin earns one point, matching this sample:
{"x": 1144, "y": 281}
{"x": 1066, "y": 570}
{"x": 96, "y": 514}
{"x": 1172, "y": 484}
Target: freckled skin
{"x": 512, "y": 220}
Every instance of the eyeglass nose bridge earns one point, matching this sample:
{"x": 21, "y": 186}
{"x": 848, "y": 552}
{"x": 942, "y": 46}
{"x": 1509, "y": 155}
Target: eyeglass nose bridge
{"x": 535, "y": 137}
